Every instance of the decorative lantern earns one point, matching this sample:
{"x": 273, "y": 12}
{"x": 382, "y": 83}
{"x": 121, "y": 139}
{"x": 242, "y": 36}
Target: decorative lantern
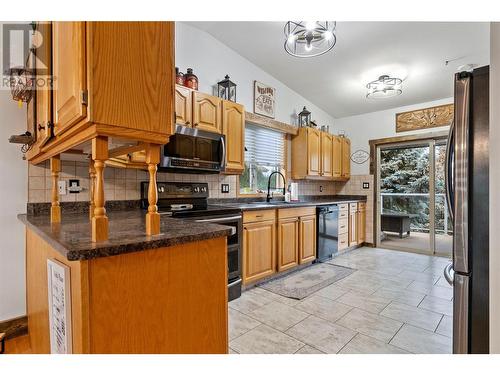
{"x": 226, "y": 89}
{"x": 304, "y": 118}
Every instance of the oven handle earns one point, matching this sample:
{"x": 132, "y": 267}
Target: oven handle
{"x": 223, "y": 156}
{"x": 219, "y": 219}
{"x": 238, "y": 281}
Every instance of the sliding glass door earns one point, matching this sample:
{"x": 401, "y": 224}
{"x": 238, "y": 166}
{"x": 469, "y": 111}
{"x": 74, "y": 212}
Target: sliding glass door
{"x": 411, "y": 212}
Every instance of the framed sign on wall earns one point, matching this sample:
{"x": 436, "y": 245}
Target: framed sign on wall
{"x": 264, "y": 100}
{"x": 58, "y": 279}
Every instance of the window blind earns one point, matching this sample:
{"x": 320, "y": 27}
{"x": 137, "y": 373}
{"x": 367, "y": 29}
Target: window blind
{"x": 264, "y": 146}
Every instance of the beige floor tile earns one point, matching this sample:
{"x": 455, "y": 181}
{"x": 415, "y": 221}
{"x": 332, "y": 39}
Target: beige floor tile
{"x": 278, "y": 315}
{"x": 431, "y": 290}
{"x": 442, "y": 282}
{"x": 306, "y": 349}
{"x": 365, "y": 302}
{"x": 445, "y": 327}
{"x": 249, "y": 302}
{"x": 231, "y": 351}
{"x": 322, "y": 335}
{"x": 359, "y": 283}
{"x": 332, "y": 292}
{"x": 370, "y": 324}
{"x": 324, "y": 308}
{"x": 265, "y": 340}
{"x": 419, "y": 276}
{"x": 240, "y": 323}
{"x": 362, "y": 344}
{"x": 421, "y": 341}
{"x": 439, "y": 305}
{"x": 400, "y": 295}
{"x": 273, "y": 296}
{"x": 412, "y": 315}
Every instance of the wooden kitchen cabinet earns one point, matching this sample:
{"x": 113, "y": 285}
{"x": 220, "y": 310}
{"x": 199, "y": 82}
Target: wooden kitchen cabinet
{"x": 288, "y": 243}
{"x": 320, "y": 155}
{"x": 108, "y": 82}
{"x": 307, "y": 239}
{"x": 326, "y": 155}
{"x": 259, "y": 245}
{"x": 346, "y": 158}
{"x": 353, "y": 224}
{"x": 183, "y": 106}
{"x": 207, "y": 112}
{"x": 361, "y": 223}
{"x": 233, "y": 127}
{"x": 336, "y": 157}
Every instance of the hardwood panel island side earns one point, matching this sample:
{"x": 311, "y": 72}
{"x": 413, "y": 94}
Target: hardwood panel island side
{"x": 132, "y": 293}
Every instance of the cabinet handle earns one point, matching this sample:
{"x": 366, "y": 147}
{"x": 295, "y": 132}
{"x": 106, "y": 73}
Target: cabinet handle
{"x": 188, "y": 123}
{"x": 195, "y": 124}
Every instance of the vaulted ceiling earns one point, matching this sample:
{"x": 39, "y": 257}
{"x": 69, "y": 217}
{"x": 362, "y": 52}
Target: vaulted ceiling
{"x": 336, "y": 81}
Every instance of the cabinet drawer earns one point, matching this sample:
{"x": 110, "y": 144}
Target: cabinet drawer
{"x": 343, "y": 206}
{"x": 343, "y": 214}
{"x": 353, "y": 207}
{"x": 261, "y": 215}
{"x": 343, "y": 241}
{"x": 343, "y": 226}
{"x": 362, "y": 205}
{"x": 296, "y": 212}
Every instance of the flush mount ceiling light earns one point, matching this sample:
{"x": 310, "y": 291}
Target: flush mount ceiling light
{"x": 384, "y": 87}
{"x": 309, "y": 38}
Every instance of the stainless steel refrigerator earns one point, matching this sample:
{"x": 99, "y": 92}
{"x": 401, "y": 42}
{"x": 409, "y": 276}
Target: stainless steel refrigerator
{"x": 467, "y": 188}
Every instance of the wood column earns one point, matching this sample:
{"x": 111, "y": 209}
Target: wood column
{"x": 92, "y": 179}
{"x": 55, "y": 209}
{"x": 152, "y": 217}
{"x": 99, "y": 220}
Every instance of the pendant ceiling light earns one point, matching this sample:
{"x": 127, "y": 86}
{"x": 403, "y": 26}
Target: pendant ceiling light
{"x": 384, "y": 87}
{"x": 309, "y": 38}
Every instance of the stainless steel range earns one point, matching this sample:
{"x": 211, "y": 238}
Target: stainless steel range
{"x": 189, "y": 200}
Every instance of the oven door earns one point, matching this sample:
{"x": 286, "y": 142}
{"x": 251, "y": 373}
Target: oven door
{"x": 193, "y": 150}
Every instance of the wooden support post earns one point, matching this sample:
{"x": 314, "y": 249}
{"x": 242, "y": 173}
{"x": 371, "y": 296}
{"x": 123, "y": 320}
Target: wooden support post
{"x": 152, "y": 217}
{"x": 92, "y": 179}
{"x": 55, "y": 209}
{"x": 99, "y": 220}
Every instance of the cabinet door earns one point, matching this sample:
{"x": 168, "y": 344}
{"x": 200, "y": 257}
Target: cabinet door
{"x": 183, "y": 105}
{"x": 353, "y": 228}
{"x": 206, "y": 112}
{"x": 313, "y": 152}
{"x": 361, "y": 226}
{"x": 307, "y": 239}
{"x": 346, "y": 158}
{"x": 233, "y": 127}
{"x": 69, "y": 67}
{"x": 336, "y": 157}
{"x": 326, "y": 155}
{"x": 288, "y": 243}
{"x": 259, "y": 250}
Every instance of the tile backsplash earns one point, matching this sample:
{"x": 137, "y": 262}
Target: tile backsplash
{"x": 124, "y": 184}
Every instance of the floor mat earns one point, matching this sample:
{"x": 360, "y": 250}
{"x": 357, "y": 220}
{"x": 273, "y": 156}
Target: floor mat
{"x": 303, "y": 283}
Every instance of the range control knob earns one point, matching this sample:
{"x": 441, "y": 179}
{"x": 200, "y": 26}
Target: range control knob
{"x": 203, "y": 189}
{"x": 161, "y": 189}
{"x": 196, "y": 189}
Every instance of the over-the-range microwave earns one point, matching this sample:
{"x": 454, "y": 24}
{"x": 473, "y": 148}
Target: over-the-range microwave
{"x": 191, "y": 150}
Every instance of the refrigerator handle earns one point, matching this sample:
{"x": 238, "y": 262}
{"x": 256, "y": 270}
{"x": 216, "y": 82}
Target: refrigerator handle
{"x": 448, "y": 273}
{"x": 448, "y": 173}
{"x": 461, "y": 174}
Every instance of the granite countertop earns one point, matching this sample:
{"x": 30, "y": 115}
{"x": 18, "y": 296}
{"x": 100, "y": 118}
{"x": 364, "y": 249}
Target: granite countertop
{"x": 303, "y": 202}
{"x": 127, "y": 233}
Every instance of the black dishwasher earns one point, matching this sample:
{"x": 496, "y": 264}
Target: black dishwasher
{"x": 328, "y": 232}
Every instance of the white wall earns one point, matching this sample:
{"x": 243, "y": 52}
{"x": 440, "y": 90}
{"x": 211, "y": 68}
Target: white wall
{"x": 211, "y": 60}
{"x": 382, "y": 124}
{"x": 13, "y": 189}
{"x": 494, "y": 187}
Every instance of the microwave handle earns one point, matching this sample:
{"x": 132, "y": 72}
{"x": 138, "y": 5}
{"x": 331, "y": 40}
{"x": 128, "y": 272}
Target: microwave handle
{"x": 223, "y": 156}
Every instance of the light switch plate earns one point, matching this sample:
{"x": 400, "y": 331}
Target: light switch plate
{"x": 224, "y": 188}
{"x": 62, "y": 187}
{"x": 366, "y": 185}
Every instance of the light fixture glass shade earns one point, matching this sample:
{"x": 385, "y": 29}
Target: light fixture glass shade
{"x": 384, "y": 87}
{"x": 309, "y": 38}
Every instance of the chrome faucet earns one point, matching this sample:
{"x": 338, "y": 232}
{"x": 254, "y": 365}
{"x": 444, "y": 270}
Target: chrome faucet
{"x": 268, "y": 198}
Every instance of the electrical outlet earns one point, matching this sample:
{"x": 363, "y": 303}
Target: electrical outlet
{"x": 320, "y": 188}
{"x": 366, "y": 185}
{"x": 224, "y": 188}
{"x": 74, "y": 186}
{"x": 62, "y": 187}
